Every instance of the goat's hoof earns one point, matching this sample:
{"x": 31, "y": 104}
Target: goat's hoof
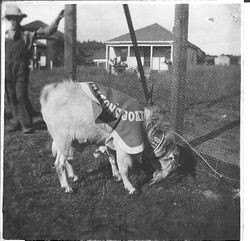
{"x": 132, "y": 191}
{"x": 118, "y": 178}
{"x": 74, "y": 178}
{"x": 68, "y": 190}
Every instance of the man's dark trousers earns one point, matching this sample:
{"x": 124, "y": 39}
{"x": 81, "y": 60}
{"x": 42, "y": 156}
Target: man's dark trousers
{"x": 16, "y": 82}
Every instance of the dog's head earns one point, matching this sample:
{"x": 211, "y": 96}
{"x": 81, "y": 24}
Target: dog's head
{"x": 164, "y": 146}
{"x": 167, "y": 154}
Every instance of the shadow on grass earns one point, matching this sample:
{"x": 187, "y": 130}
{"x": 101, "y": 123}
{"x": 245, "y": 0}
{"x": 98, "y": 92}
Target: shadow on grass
{"x": 199, "y": 140}
{"x": 210, "y": 103}
{"x": 102, "y": 169}
{"x": 142, "y": 172}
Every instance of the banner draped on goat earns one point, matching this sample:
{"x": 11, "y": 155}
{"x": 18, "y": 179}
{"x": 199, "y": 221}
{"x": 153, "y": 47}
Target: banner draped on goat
{"x": 121, "y": 112}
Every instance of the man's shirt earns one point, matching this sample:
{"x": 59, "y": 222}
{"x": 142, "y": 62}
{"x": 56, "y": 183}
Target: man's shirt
{"x": 29, "y": 37}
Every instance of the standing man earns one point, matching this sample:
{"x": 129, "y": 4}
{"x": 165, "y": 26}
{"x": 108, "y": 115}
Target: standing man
{"x": 18, "y": 52}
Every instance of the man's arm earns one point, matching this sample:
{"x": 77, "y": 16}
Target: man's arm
{"x": 49, "y": 30}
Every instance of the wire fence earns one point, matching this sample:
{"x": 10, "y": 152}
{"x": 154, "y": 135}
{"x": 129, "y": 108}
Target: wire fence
{"x": 207, "y": 206}
{"x": 211, "y": 122}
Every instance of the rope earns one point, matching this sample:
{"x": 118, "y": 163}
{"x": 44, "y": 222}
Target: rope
{"x": 206, "y": 162}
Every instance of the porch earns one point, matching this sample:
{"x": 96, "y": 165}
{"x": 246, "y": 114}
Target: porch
{"x": 153, "y": 57}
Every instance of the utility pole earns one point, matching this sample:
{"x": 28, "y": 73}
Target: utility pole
{"x": 179, "y": 68}
{"x": 70, "y": 44}
{"x": 137, "y": 54}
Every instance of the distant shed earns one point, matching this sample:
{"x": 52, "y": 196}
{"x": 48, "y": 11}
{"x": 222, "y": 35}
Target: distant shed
{"x": 222, "y": 60}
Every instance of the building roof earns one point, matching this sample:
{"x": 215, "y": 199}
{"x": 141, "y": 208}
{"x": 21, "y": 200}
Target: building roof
{"x": 151, "y": 33}
{"x": 35, "y": 25}
{"x": 222, "y": 56}
{"x": 40, "y": 44}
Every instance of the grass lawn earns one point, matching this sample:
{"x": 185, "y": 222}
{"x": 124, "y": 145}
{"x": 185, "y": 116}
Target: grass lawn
{"x": 181, "y": 207}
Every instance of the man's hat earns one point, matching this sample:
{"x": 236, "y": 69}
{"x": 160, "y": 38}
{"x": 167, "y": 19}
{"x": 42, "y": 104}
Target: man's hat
{"x": 13, "y": 10}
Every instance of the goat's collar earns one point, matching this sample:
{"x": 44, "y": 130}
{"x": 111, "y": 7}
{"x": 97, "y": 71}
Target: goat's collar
{"x": 157, "y": 140}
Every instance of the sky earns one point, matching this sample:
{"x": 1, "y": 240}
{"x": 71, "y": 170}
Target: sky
{"x": 215, "y": 28}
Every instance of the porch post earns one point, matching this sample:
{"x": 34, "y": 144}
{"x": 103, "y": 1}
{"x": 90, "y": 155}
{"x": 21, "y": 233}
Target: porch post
{"x": 107, "y": 56}
{"x": 128, "y": 58}
{"x": 151, "y": 57}
{"x": 70, "y": 44}
{"x": 171, "y": 55}
{"x": 178, "y": 88}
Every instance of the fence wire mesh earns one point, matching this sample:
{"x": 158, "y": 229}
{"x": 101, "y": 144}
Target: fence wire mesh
{"x": 212, "y": 95}
{"x": 212, "y": 108}
{"x": 212, "y": 91}
{"x": 181, "y": 206}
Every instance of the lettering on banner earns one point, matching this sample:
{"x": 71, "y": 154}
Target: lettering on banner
{"x": 114, "y": 109}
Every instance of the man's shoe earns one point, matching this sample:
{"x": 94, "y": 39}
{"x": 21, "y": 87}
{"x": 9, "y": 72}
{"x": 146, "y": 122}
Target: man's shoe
{"x": 28, "y": 130}
{"x": 12, "y": 127}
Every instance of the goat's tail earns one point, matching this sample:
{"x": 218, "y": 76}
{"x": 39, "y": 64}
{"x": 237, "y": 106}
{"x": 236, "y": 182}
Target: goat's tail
{"x": 54, "y": 148}
{"x": 45, "y": 93}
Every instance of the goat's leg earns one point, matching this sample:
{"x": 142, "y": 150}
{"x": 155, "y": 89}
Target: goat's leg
{"x": 60, "y": 168}
{"x": 115, "y": 171}
{"x": 70, "y": 171}
{"x": 124, "y": 161}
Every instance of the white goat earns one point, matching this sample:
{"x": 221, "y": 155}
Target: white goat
{"x": 68, "y": 113}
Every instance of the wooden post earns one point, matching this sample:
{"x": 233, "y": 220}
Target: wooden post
{"x": 171, "y": 55}
{"x": 179, "y": 68}
{"x": 137, "y": 54}
{"x": 70, "y": 44}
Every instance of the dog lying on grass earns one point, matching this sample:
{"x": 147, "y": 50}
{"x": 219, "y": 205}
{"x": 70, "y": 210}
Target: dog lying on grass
{"x": 89, "y": 113}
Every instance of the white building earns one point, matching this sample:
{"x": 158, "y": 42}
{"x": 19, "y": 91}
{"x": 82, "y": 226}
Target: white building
{"x": 155, "y": 45}
{"x": 222, "y": 60}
